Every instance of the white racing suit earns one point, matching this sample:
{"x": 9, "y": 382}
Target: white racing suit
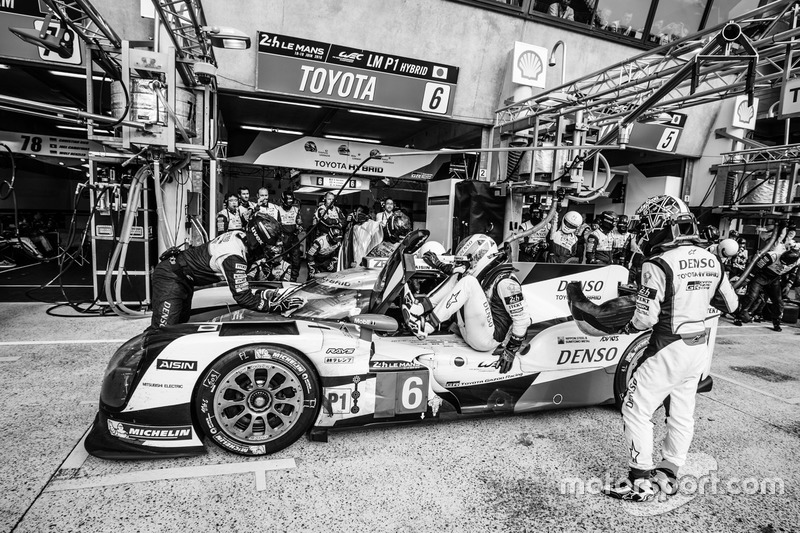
{"x": 484, "y": 316}
{"x": 599, "y": 248}
{"x": 677, "y": 287}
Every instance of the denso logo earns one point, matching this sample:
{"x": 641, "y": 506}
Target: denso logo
{"x": 706, "y": 262}
{"x": 168, "y": 364}
{"x": 586, "y": 286}
{"x": 579, "y": 356}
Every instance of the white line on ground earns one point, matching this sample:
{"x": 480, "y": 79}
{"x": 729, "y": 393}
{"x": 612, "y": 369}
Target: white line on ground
{"x": 8, "y": 359}
{"x": 144, "y": 476}
{"x": 76, "y": 341}
{"x": 793, "y": 401}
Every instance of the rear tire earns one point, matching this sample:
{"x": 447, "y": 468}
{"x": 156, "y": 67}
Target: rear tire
{"x": 257, "y": 399}
{"x": 628, "y": 363}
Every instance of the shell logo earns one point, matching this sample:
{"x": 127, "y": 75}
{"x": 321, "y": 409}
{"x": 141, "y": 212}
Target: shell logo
{"x": 530, "y": 65}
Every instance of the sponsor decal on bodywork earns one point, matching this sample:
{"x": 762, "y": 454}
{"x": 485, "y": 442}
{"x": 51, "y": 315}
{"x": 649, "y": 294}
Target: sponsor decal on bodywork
{"x": 589, "y": 355}
{"x": 124, "y": 430}
{"x": 345, "y": 360}
{"x": 172, "y": 364}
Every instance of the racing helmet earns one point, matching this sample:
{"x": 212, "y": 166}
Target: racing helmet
{"x": 710, "y": 233}
{"x": 481, "y": 251}
{"x": 790, "y": 257}
{"x": 287, "y": 199}
{"x": 431, "y": 246}
{"x": 571, "y": 222}
{"x": 361, "y": 214}
{"x": 727, "y": 248}
{"x": 663, "y": 222}
{"x": 398, "y": 226}
{"x": 335, "y": 234}
{"x": 622, "y": 223}
{"x": 262, "y": 231}
{"x": 606, "y": 221}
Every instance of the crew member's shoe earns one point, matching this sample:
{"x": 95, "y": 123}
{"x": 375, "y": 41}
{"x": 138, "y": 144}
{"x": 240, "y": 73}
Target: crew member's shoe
{"x": 777, "y": 326}
{"x": 417, "y": 323}
{"x": 632, "y": 490}
{"x": 664, "y": 480}
{"x": 7, "y": 264}
{"x": 737, "y": 322}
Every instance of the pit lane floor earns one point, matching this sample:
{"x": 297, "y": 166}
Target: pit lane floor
{"x": 537, "y": 472}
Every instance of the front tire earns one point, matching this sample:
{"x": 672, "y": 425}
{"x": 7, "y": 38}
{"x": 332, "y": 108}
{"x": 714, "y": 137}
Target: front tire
{"x": 258, "y": 399}
{"x": 628, "y": 363}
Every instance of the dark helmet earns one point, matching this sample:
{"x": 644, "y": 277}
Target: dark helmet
{"x": 622, "y": 223}
{"x": 287, "y": 199}
{"x": 262, "y": 231}
{"x": 710, "y": 233}
{"x": 663, "y": 221}
{"x": 606, "y": 221}
{"x": 361, "y": 214}
{"x": 335, "y": 234}
{"x": 398, "y": 226}
{"x": 789, "y": 257}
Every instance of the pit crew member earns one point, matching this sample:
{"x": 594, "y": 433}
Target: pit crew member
{"x": 227, "y": 257}
{"x": 323, "y": 253}
{"x": 563, "y": 245}
{"x": 231, "y": 218}
{"x": 245, "y": 205}
{"x": 486, "y": 296}
{"x": 621, "y": 242}
{"x": 291, "y": 224}
{"x": 773, "y": 273}
{"x": 397, "y": 227}
{"x": 679, "y": 281}
{"x": 599, "y": 243}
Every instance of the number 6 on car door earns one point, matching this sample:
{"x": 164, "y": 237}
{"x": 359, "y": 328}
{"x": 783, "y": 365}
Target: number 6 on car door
{"x": 400, "y": 393}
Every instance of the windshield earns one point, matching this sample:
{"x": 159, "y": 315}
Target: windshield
{"x": 337, "y": 295}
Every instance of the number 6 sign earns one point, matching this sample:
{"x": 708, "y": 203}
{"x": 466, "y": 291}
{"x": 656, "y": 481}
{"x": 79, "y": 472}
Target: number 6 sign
{"x": 400, "y": 393}
{"x": 436, "y": 98}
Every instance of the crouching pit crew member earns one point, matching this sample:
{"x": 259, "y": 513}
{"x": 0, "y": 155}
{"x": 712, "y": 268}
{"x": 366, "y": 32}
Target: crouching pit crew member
{"x": 492, "y": 312}
{"x": 679, "y": 281}
{"x": 324, "y": 251}
{"x": 226, "y": 257}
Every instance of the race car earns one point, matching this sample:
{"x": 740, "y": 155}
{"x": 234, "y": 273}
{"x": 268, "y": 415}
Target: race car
{"x": 254, "y": 383}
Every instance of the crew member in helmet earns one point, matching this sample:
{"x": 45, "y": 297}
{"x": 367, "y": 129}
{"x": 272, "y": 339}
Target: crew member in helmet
{"x": 488, "y": 284}
{"x": 773, "y": 272}
{"x": 231, "y": 218}
{"x": 678, "y": 283}
{"x": 725, "y": 250}
{"x": 564, "y": 240}
{"x": 291, "y": 225}
{"x": 739, "y": 262}
{"x": 710, "y": 234}
{"x": 396, "y": 228}
{"x": 599, "y": 243}
{"x": 621, "y": 242}
{"x": 323, "y": 253}
{"x": 225, "y": 258}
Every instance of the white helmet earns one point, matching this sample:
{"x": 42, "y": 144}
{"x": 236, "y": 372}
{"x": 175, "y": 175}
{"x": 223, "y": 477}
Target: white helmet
{"x": 662, "y": 222}
{"x": 727, "y": 248}
{"x": 480, "y": 249}
{"x": 431, "y": 246}
{"x": 571, "y": 222}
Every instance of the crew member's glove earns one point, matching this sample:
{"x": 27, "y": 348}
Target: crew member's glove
{"x": 447, "y": 268}
{"x": 628, "y": 329}
{"x": 289, "y": 304}
{"x": 507, "y": 353}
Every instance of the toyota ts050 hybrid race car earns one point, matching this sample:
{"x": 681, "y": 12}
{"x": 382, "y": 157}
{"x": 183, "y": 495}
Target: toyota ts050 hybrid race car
{"x": 253, "y": 383}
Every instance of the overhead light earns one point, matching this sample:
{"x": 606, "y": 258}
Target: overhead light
{"x": 298, "y": 104}
{"x": 272, "y": 130}
{"x": 225, "y": 37}
{"x": 4, "y": 67}
{"x": 354, "y": 139}
{"x": 61, "y": 163}
{"x": 386, "y": 115}
{"x": 65, "y": 74}
{"x": 307, "y": 190}
{"x": 96, "y": 130}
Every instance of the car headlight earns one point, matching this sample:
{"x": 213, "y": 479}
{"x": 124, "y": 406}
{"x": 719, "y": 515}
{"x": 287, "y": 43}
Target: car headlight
{"x": 121, "y": 372}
